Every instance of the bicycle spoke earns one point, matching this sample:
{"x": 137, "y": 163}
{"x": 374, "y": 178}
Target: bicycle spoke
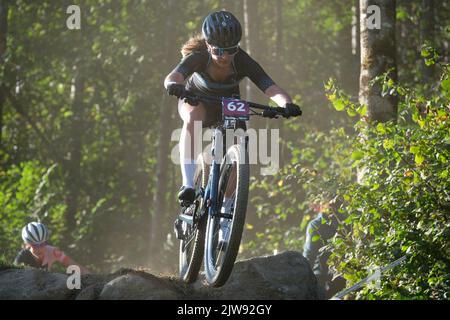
{"x": 192, "y": 237}
{"x": 217, "y": 264}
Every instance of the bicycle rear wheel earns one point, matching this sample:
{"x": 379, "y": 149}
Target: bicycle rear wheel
{"x": 192, "y": 246}
{"x": 219, "y": 260}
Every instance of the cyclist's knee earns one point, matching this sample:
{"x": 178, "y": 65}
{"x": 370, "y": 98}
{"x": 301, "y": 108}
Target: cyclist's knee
{"x": 190, "y": 114}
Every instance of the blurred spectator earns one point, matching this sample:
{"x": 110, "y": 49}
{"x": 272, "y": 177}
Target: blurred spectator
{"x": 38, "y": 253}
{"x": 322, "y": 228}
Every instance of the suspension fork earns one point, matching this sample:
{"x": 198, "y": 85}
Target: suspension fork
{"x": 218, "y": 150}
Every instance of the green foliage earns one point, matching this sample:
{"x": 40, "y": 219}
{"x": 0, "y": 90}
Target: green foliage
{"x": 5, "y": 264}
{"x": 400, "y": 203}
{"x": 394, "y": 179}
{"x": 429, "y": 53}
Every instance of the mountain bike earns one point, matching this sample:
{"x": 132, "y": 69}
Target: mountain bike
{"x": 200, "y": 223}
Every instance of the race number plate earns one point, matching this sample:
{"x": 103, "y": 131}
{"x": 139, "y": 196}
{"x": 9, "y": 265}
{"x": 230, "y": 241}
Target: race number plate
{"x": 235, "y": 109}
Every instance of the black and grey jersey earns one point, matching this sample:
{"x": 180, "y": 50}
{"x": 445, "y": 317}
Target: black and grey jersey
{"x": 195, "y": 64}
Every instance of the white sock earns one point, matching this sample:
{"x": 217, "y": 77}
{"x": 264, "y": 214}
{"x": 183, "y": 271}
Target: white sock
{"x": 188, "y": 171}
{"x": 226, "y": 205}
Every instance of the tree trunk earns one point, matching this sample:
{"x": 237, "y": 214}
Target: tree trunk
{"x": 427, "y": 35}
{"x": 280, "y": 72}
{"x": 250, "y": 39}
{"x": 250, "y": 35}
{"x": 442, "y": 9}
{"x": 74, "y": 181}
{"x": 346, "y": 49}
{"x": 158, "y": 231}
{"x": 405, "y": 40}
{"x": 279, "y": 50}
{"x": 356, "y": 37}
{"x": 226, "y": 5}
{"x": 355, "y": 29}
{"x": 377, "y": 57}
{"x": 3, "y": 34}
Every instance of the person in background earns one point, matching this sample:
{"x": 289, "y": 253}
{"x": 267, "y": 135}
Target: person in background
{"x": 322, "y": 228}
{"x": 38, "y": 253}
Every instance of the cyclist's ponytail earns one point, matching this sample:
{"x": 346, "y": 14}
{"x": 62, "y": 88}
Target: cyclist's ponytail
{"x": 195, "y": 43}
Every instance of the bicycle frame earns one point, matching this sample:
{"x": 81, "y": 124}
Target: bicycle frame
{"x": 211, "y": 190}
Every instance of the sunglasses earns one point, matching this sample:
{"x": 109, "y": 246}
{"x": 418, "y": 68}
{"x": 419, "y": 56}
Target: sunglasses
{"x": 220, "y": 51}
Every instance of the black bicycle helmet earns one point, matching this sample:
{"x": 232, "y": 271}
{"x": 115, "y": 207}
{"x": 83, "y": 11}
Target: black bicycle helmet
{"x": 222, "y": 29}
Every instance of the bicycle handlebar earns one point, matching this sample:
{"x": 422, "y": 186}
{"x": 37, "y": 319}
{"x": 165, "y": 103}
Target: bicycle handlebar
{"x": 268, "y": 111}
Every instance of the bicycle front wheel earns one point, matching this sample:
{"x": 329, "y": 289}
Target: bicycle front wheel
{"x": 220, "y": 254}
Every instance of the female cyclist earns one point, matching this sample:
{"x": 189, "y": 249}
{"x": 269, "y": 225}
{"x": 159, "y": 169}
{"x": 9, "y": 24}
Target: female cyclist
{"x": 214, "y": 64}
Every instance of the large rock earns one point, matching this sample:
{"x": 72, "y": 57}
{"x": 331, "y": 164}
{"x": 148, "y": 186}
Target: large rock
{"x": 283, "y": 276}
{"x": 93, "y": 284}
{"x": 133, "y": 286}
{"x": 33, "y": 284}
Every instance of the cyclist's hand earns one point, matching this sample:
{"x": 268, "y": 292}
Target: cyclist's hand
{"x": 176, "y": 89}
{"x": 269, "y": 113}
{"x": 292, "y": 110}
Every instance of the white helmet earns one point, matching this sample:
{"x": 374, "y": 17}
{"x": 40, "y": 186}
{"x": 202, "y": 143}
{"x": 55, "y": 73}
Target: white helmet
{"x": 35, "y": 233}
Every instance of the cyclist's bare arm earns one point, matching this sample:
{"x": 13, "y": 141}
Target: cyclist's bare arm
{"x": 174, "y": 76}
{"x": 67, "y": 261}
{"x": 70, "y": 262}
{"x": 278, "y": 95}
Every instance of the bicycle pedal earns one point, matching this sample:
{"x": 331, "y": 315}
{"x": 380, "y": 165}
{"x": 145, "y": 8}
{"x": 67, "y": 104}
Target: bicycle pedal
{"x": 178, "y": 229}
{"x": 185, "y": 203}
{"x": 228, "y": 216}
